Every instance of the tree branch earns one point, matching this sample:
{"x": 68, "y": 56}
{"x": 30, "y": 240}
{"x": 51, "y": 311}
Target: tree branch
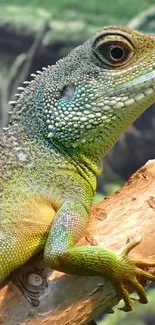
{"x": 63, "y": 299}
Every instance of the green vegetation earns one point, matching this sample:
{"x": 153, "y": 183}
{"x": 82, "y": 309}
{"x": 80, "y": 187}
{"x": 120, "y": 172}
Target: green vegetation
{"x": 98, "y": 11}
{"x": 68, "y": 16}
{"x": 142, "y": 315}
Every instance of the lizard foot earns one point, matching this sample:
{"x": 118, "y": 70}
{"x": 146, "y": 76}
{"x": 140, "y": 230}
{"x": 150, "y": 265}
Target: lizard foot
{"x": 131, "y": 271}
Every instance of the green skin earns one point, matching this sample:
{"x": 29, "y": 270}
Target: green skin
{"x": 51, "y": 153}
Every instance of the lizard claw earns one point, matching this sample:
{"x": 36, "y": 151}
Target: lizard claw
{"x": 132, "y": 271}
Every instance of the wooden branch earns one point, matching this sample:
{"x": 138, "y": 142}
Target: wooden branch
{"x": 72, "y": 300}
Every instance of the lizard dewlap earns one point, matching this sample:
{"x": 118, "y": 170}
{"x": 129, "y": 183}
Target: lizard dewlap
{"x": 61, "y": 126}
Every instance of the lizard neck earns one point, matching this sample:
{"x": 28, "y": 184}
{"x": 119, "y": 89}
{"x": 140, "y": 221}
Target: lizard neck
{"x": 30, "y": 152}
{"x": 88, "y": 165}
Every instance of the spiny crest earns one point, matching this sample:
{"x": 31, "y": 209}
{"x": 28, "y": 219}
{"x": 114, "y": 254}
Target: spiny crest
{"x": 22, "y": 89}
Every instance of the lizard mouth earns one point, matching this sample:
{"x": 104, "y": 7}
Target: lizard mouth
{"x": 138, "y": 90}
{"x": 144, "y": 83}
{"x": 131, "y": 91}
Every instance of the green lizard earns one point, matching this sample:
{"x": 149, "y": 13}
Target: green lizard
{"x": 61, "y": 126}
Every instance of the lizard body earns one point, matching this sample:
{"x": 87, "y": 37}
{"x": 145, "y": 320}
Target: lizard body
{"x": 51, "y": 153}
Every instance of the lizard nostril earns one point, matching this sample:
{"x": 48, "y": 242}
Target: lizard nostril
{"x": 68, "y": 93}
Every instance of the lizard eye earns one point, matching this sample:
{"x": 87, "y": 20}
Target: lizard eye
{"x": 114, "y": 52}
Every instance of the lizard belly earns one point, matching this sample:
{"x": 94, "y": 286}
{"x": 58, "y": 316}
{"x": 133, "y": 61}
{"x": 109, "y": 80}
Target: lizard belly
{"x": 25, "y": 219}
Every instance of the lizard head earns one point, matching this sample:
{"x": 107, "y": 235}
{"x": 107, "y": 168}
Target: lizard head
{"x": 88, "y": 99}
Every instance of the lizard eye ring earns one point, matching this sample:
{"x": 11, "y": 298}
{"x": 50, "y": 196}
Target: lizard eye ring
{"x": 113, "y": 50}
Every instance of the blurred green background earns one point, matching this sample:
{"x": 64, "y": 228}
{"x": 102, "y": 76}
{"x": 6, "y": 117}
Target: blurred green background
{"x": 35, "y": 33}
{"x": 96, "y": 12}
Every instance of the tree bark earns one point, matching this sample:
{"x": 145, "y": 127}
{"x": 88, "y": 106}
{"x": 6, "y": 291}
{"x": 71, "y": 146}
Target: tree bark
{"x": 39, "y": 296}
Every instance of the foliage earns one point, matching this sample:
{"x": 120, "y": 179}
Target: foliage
{"x": 98, "y": 11}
{"x": 68, "y": 16}
{"x": 142, "y": 315}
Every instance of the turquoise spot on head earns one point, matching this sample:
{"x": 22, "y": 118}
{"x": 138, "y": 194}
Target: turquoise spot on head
{"x": 68, "y": 93}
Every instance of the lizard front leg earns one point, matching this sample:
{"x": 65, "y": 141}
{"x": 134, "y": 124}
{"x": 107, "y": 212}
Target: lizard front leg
{"x": 62, "y": 254}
